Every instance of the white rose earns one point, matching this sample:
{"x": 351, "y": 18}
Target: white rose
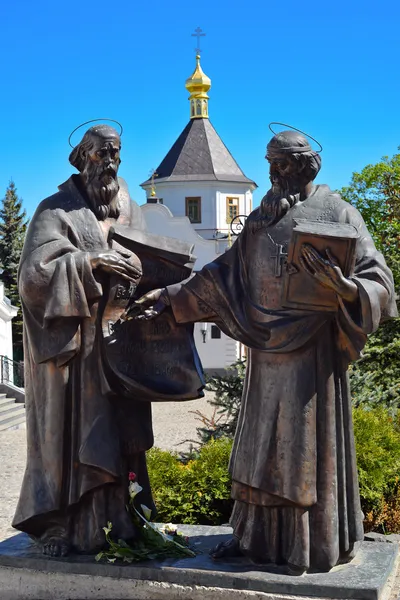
{"x": 134, "y": 489}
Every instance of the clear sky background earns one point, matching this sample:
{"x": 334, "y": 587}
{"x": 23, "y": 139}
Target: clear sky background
{"x": 329, "y": 67}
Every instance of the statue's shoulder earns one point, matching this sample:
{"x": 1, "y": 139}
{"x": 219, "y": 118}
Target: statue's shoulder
{"x": 324, "y": 192}
{"x": 254, "y": 217}
{"x": 58, "y": 202}
{"x": 64, "y": 201}
{"x": 328, "y": 204}
{"x": 343, "y": 210}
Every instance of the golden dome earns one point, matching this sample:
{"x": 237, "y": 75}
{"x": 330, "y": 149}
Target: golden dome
{"x": 198, "y": 85}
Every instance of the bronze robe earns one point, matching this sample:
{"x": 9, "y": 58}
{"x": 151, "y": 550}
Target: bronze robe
{"x": 293, "y": 462}
{"x": 82, "y": 439}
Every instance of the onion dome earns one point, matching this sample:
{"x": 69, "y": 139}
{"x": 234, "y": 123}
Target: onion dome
{"x": 198, "y": 85}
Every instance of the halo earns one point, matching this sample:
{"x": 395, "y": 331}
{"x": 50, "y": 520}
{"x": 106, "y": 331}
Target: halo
{"x": 93, "y": 121}
{"x": 295, "y": 129}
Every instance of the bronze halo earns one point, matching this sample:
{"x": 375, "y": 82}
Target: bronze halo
{"x": 93, "y": 121}
{"x": 295, "y": 129}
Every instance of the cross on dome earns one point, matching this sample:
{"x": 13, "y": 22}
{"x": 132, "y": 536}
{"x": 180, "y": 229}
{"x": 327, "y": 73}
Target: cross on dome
{"x": 198, "y": 32}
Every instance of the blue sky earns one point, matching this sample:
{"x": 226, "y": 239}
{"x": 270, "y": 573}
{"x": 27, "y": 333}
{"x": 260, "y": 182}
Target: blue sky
{"x": 329, "y": 68}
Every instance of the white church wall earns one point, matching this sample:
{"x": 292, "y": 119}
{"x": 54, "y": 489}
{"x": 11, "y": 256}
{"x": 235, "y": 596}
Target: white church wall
{"x": 174, "y": 197}
{"x": 7, "y": 312}
{"x": 215, "y": 354}
{"x": 245, "y": 199}
{"x": 213, "y": 202}
{"x": 4, "y": 345}
{"x": 160, "y": 220}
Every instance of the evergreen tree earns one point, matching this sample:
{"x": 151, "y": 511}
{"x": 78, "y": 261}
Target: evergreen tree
{"x": 13, "y": 224}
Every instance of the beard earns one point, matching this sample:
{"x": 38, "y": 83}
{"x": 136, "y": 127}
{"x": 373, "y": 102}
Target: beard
{"x": 101, "y": 186}
{"x": 284, "y": 193}
{"x": 284, "y": 186}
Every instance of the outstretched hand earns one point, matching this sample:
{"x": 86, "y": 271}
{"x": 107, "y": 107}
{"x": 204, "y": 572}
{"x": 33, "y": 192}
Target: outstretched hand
{"x": 328, "y": 272}
{"x": 148, "y": 306}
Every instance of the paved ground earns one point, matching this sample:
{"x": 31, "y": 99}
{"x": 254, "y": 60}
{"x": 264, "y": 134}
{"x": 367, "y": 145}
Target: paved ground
{"x": 174, "y": 422}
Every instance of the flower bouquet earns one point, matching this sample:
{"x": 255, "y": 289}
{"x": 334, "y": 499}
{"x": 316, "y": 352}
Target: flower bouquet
{"x": 152, "y": 543}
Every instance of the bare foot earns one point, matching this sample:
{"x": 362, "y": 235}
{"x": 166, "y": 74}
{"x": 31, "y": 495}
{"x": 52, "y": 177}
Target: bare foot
{"x": 227, "y": 549}
{"x": 55, "y": 547}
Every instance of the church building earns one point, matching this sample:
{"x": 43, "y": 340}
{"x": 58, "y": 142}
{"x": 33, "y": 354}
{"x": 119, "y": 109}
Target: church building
{"x": 199, "y": 178}
{"x": 200, "y": 190}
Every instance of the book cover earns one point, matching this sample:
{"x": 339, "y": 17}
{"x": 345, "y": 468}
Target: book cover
{"x": 300, "y": 289}
{"x": 152, "y": 360}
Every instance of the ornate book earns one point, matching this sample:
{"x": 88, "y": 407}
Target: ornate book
{"x": 152, "y": 360}
{"x": 300, "y": 289}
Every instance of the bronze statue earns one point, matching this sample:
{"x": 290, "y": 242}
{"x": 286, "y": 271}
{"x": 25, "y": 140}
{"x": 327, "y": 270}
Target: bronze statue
{"x": 81, "y": 444}
{"x": 304, "y": 315}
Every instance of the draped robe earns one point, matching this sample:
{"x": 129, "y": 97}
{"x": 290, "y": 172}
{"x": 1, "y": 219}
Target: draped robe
{"x": 293, "y": 463}
{"x": 82, "y": 439}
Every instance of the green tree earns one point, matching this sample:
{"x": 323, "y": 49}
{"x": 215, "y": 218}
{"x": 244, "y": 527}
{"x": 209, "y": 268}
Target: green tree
{"x": 13, "y": 224}
{"x": 375, "y": 192}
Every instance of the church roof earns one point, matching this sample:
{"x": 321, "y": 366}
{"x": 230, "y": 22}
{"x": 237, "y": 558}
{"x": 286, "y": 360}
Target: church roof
{"x": 199, "y": 154}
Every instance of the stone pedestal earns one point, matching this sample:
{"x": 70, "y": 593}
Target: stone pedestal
{"x": 25, "y": 574}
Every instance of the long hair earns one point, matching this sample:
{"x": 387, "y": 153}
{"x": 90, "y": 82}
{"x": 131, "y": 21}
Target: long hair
{"x": 311, "y": 161}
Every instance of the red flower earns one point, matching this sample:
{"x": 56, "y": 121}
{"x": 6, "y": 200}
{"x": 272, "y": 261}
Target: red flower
{"x": 132, "y": 476}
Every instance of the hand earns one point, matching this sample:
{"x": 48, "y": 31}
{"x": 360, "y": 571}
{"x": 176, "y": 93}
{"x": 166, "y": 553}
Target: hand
{"x": 328, "y": 272}
{"x": 151, "y": 305}
{"x": 117, "y": 263}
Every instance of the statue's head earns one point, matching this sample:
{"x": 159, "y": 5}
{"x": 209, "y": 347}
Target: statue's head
{"x": 293, "y": 163}
{"x": 97, "y": 158}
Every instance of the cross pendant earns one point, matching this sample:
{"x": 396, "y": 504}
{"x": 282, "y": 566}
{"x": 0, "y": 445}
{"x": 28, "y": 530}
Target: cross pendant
{"x": 280, "y": 258}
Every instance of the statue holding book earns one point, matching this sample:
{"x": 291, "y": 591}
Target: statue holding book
{"x": 90, "y": 380}
{"x": 302, "y": 287}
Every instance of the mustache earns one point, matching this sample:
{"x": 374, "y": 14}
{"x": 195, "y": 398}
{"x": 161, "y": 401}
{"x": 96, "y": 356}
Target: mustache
{"x": 109, "y": 171}
{"x": 284, "y": 184}
{"x": 99, "y": 174}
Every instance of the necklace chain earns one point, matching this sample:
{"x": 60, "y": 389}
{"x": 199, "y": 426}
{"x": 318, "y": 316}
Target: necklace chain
{"x": 274, "y": 242}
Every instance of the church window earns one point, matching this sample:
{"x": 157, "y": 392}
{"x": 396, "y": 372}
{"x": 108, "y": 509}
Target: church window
{"x": 232, "y": 209}
{"x": 193, "y": 209}
{"x": 198, "y": 110}
{"x": 215, "y": 332}
{"x": 192, "y": 108}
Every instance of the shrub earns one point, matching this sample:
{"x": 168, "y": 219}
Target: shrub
{"x": 377, "y": 436}
{"x": 385, "y": 517}
{"x": 196, "y": 492}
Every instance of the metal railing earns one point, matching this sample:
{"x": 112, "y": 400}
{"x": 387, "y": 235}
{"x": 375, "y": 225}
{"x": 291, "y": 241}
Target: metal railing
{"x": 12, "y": 372}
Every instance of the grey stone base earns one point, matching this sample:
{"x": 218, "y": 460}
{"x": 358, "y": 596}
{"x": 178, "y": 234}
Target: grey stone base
{"x": 25, "y": 574}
